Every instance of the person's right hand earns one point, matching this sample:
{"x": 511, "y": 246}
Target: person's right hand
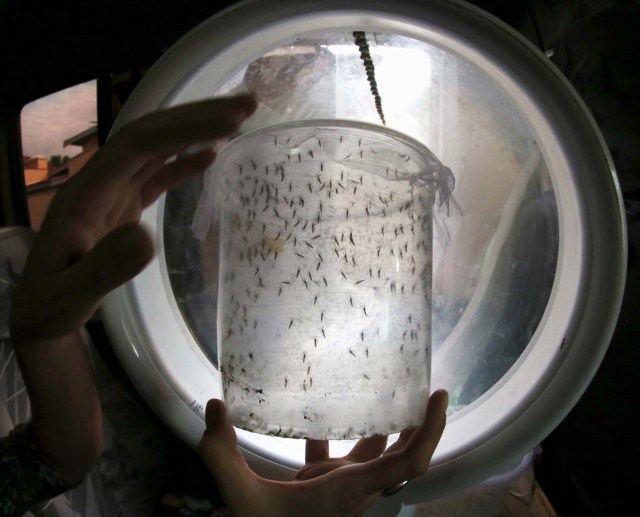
{"x": 324, "y": 487}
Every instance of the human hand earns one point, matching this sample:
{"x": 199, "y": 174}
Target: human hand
{"x": 325, "y": 486}
{"x": 91, "y": 241}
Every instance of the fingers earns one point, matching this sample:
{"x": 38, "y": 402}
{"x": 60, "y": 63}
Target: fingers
{"x": 140, "y": 148}
{"x": 215, "y": 415}
{"x": 429, "y": 433}
{"x": 316, "y": 450}
{"x": 64, "y": 301}
{"x": 114, "y": 260}
{"x": 218, "y": 445}
{"x": 402, "y": 440}
{"x": 173, "y": 129}
{"x": 318, "y": 462}
{"x": 173, "y": 173}
{"x": 407, "y": 462}
{"x": 367, "y": 449}
{"x": 218, "y": 448}
{"x": 137, "y": 152}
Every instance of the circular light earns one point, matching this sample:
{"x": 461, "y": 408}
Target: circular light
{"x": 529, "y": 261}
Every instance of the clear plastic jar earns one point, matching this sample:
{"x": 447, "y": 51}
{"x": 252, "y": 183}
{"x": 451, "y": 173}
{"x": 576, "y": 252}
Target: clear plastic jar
{"x": 324, "y": 306}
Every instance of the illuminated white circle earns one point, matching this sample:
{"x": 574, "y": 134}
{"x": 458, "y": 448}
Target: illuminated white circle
{"x": 173, "y": 374}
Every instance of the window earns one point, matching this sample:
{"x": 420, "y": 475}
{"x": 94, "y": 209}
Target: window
{"x": 59, "y": 135}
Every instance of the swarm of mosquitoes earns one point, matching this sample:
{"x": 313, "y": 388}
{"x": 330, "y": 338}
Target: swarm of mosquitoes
{"x": 326, "y": 271}
{"x": 315, "y": 251}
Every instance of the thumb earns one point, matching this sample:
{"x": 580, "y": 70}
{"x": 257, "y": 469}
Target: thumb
{"x": 218, "y": 448}
{"x": 219, "y": 444}
{"x": 115, "y": 259}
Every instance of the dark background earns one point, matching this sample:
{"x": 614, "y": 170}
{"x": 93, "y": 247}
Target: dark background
{"x": 589, "y": 462}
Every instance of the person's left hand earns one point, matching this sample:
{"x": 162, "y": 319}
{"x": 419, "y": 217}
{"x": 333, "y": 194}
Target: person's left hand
{"x": 90, "y": 241}
{"x": 326, "y": 487}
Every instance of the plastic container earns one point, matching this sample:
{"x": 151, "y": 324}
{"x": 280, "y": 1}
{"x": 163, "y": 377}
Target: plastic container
{"x": 324, "y": 312}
